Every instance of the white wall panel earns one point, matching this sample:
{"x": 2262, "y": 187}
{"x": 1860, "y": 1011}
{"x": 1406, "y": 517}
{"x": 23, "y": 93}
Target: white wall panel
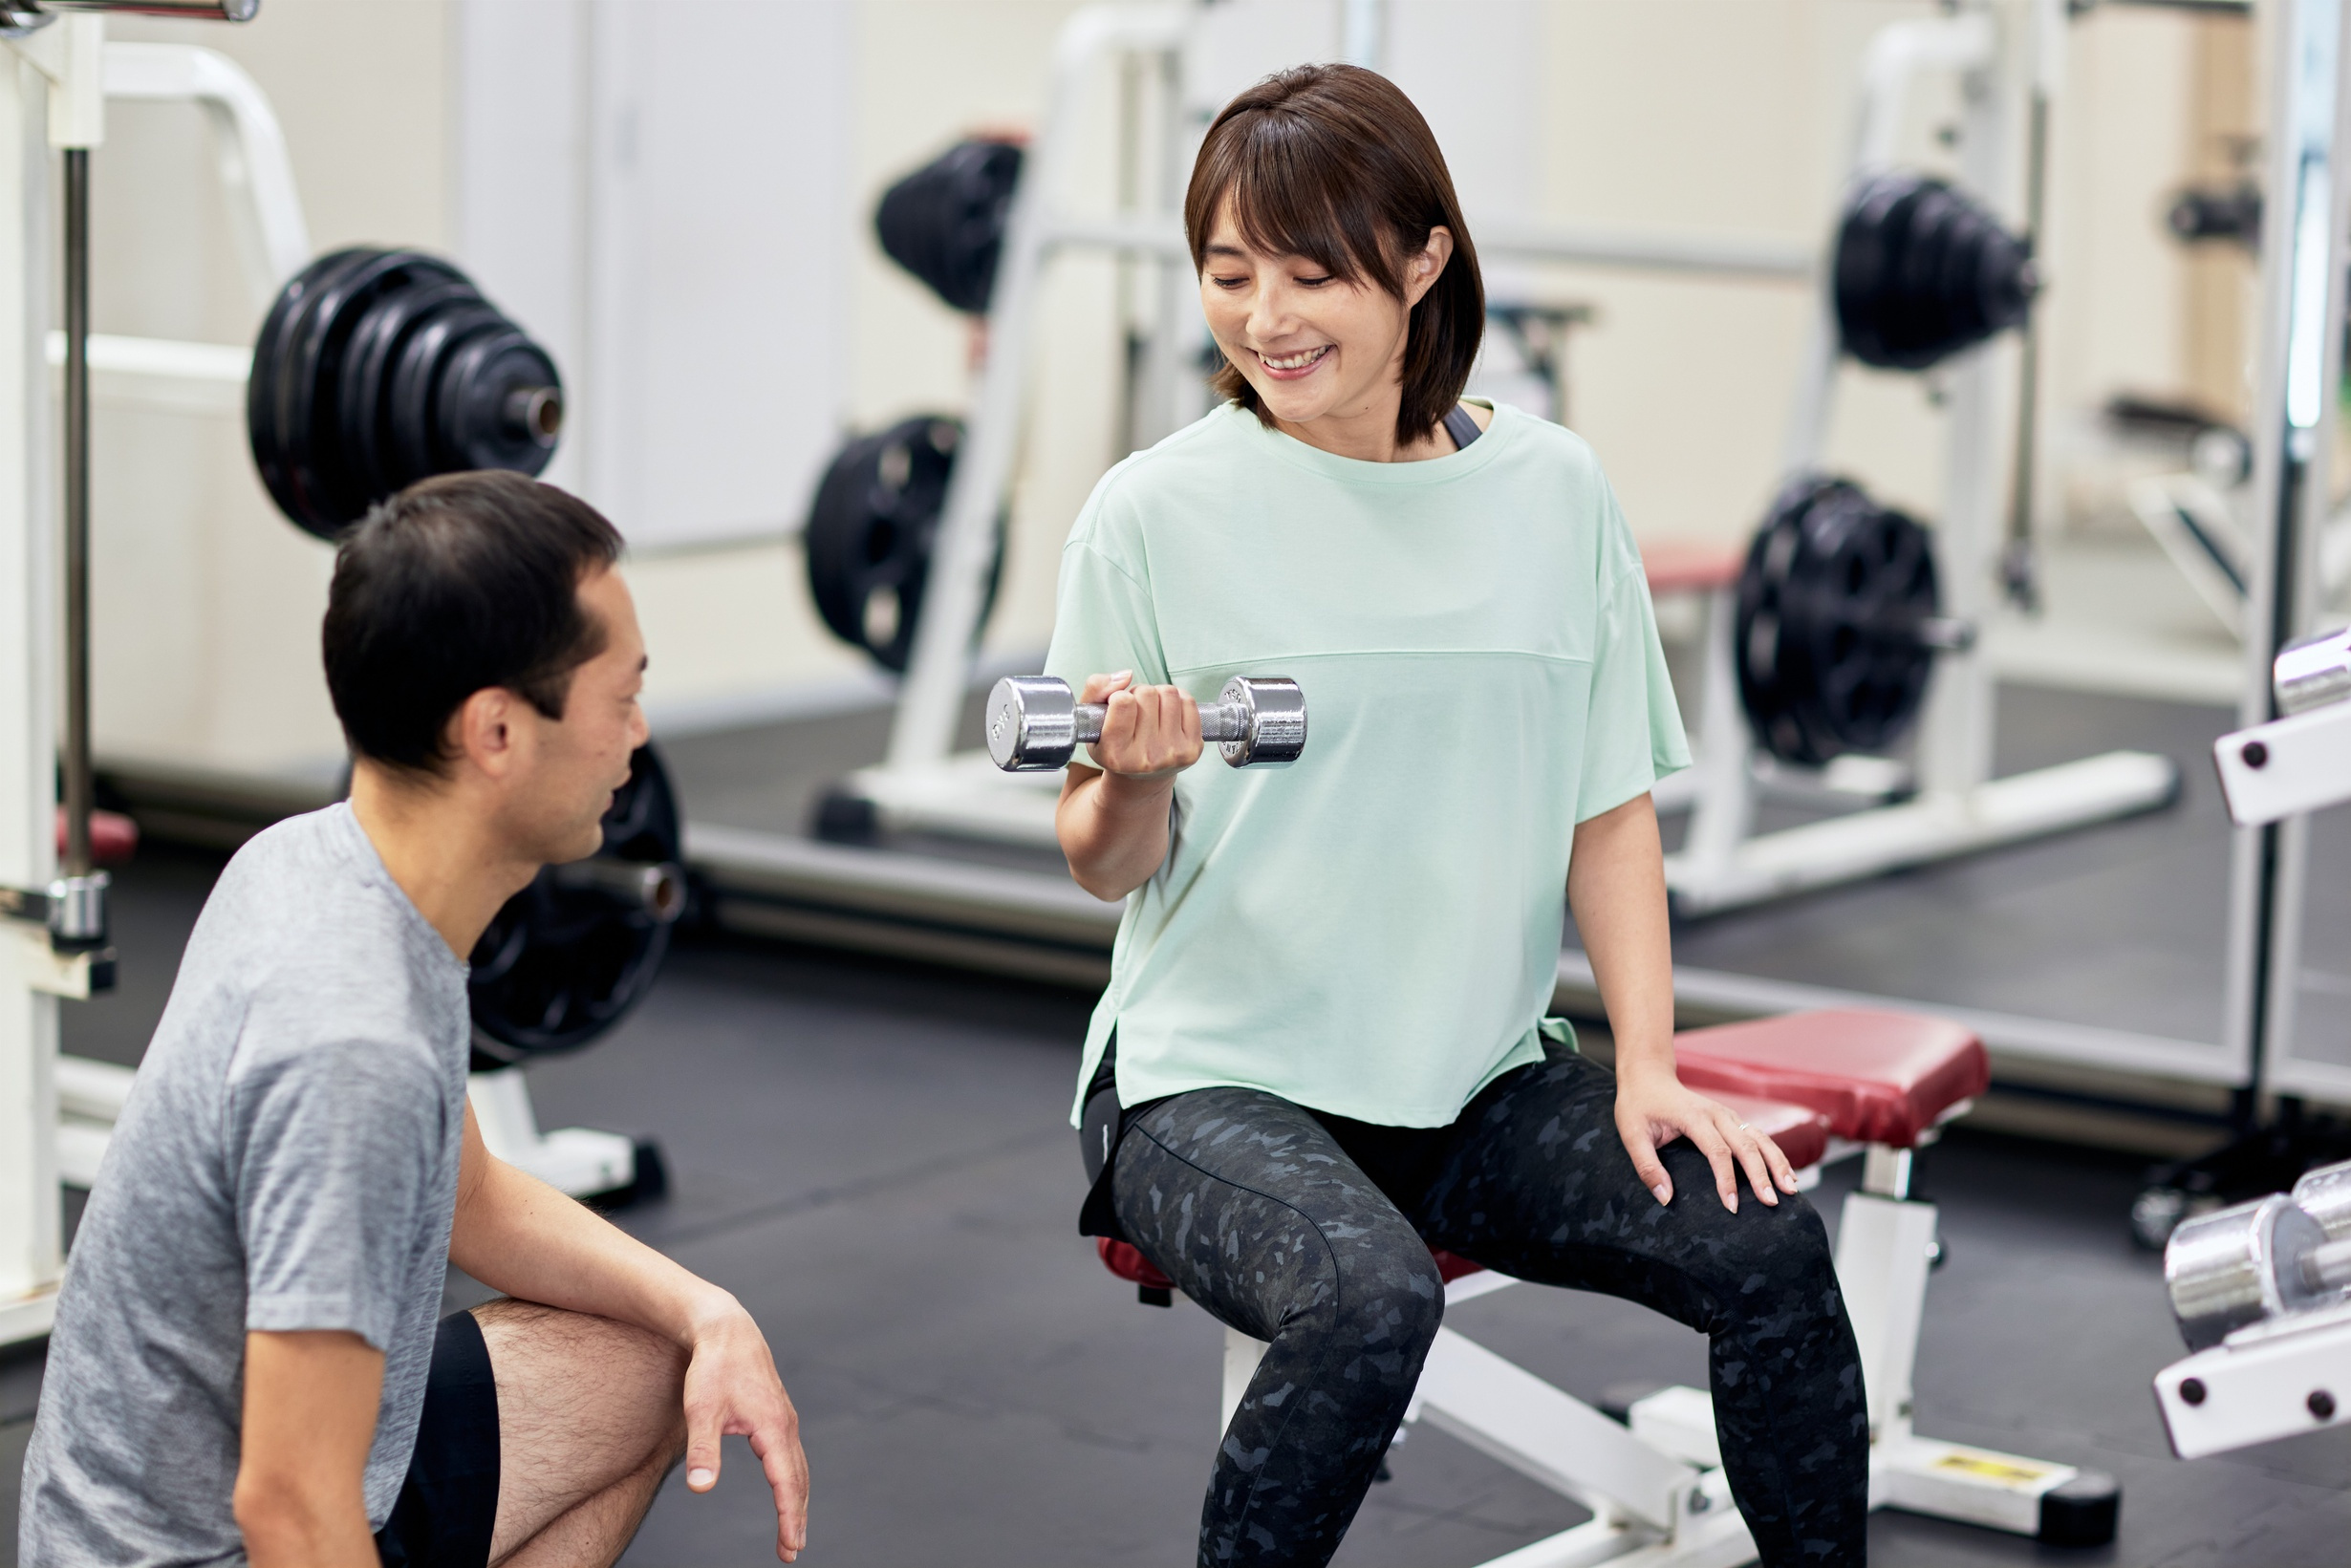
{"x": 662, "y": 190}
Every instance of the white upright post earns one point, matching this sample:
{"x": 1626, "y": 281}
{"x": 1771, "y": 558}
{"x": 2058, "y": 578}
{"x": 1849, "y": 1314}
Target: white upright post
{"x": 1954, "y": 739}
{"x": 31, "y": 1259}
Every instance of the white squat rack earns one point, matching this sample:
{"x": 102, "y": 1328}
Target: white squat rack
{"x": 58, "y": 1113}
{"x": 1959, "y": 807}
{"x": 923, "y": 787}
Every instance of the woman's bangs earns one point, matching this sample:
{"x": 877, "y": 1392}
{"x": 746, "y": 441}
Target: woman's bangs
{"x": 1285, "y": 210}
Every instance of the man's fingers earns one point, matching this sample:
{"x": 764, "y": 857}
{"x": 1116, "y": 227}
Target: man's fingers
{"x": 786, "y": 1466}
{"x": 701, "y": 1461}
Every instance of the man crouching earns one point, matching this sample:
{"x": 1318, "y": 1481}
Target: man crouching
{"x": 246, "y": 1363}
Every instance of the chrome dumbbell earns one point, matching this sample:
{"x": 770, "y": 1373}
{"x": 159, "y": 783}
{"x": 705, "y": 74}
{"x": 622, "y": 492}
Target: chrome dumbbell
{"x": 1035, "y": 724}
{"x": 2261, "y": 1259}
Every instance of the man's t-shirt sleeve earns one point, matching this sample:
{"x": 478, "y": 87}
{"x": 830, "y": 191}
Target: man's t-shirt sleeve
{"x": 333, "y": 1149}
{"x": 1632, "y": 734}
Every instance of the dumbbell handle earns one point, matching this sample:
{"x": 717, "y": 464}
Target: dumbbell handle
{"x": 2328, "y": 1267}
{"x": 1218, "y": 721}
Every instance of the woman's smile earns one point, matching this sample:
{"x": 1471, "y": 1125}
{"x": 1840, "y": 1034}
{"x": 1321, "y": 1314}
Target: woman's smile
{"x": 1295, "y": 365}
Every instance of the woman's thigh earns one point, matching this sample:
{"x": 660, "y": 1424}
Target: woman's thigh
{"x": 1534, "y": 1183}
{"x": 1250, "y": 1206}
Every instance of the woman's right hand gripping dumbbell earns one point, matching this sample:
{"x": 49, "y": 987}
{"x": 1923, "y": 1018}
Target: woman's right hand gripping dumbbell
{"x": 1113, "y": 820}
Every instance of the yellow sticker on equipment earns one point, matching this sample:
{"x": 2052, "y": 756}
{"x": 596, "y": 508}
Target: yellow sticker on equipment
{"x": 1983, "y": 1466}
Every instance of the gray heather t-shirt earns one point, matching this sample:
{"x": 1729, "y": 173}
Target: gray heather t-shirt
{"x": 288, "y": 1160}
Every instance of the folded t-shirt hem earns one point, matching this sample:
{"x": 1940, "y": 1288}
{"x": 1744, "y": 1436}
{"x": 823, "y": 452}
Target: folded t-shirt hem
{"x": 1137, "y": 1083}
{"x": 298, "y": 1314}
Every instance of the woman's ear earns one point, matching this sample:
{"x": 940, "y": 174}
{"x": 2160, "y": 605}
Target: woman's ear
{"x": 1428, "y": 264}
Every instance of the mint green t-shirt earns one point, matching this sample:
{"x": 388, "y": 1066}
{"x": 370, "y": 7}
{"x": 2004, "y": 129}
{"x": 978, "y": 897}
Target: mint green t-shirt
{"x": 1375, "y": 929}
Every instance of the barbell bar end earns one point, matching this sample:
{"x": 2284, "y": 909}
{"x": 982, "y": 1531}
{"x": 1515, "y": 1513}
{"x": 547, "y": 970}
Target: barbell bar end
{"x": 1947, "y": 635}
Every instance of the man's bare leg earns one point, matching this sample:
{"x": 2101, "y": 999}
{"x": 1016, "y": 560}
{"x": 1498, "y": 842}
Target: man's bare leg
{"x": 590, "y": 1419}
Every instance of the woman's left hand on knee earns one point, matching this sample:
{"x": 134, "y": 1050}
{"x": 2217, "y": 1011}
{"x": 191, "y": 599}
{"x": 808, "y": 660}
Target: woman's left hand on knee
{"x": 1653, "y": 1108}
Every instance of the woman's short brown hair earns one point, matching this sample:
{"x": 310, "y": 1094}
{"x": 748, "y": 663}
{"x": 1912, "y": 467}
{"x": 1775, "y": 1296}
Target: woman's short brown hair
{"x": 1333, "y": 163}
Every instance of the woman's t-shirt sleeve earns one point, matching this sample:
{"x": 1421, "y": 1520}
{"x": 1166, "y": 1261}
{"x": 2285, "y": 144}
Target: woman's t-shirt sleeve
{"x": 1632, "y": 734}
{"x": 1103, "y": 617}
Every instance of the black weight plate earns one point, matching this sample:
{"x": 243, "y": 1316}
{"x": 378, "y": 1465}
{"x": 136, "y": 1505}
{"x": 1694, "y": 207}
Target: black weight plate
{"x": 1922, "y": 272}
{"x": 366, "y": 403}
{"x": 561, "y": 964}
{"x": 316, "y": 364}
{"x": 945, "y": 222}
{"x": 470, "y": 423}
{"x": 279, "y": 397}
{"x": 416, "y": 380}
{"x": 1831, "y": 601}
{"x": 873, "y": 527}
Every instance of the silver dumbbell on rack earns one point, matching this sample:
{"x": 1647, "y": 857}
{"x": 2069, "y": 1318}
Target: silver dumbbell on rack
{"x": 2263, "y": 1260}
{"x": 1035, "y": 724}
{"x": 2262, "y": 1293}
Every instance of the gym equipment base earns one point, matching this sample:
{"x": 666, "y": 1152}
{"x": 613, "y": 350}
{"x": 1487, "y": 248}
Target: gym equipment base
{"x": 1934, "y": 826}
{"x": 965, "y": 796}
{"x": 580, "y": 1161}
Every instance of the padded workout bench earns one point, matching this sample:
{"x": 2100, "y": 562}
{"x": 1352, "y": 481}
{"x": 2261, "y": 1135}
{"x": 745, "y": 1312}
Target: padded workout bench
{"x": 1825, "y": 1085}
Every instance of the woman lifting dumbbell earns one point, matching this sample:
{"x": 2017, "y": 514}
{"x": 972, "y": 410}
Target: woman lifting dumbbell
{"x": 1323, "y": 1050}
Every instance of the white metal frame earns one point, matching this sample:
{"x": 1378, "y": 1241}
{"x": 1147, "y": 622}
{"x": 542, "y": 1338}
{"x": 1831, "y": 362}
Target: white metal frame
{"x": 58, "y": 1113}
{"x": 1655, "y": 1486}
{"x": 2304, "y": 257}
{"x": 1960, "y": 807}
{"x": 32, "y": 1248}
{"x": 921, "y": 787}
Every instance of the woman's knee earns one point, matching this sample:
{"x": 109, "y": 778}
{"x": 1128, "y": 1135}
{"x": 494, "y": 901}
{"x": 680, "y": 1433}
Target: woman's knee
{"x": 1769, "y": 1260}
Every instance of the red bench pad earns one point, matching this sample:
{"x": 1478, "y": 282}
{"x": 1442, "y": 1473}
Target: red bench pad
{"x": 1880, "y": 1078}
{"x": 1801, "y": 1134}
{"x": 1123, "y": 1259}
{"x": 1691, "y": 566}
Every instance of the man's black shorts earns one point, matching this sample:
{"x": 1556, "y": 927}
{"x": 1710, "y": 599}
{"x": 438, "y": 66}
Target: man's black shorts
{"x": 449, "y": 1502}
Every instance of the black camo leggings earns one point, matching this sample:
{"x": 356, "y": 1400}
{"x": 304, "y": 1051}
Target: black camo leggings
{"x": 1313, "y": 1232}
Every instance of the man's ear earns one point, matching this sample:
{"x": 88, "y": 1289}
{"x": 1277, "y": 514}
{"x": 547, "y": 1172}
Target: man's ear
{"x": 482, "y": 731}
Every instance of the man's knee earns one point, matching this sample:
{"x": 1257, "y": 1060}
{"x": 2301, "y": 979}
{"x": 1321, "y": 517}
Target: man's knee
{"x": 544, "y": 1348}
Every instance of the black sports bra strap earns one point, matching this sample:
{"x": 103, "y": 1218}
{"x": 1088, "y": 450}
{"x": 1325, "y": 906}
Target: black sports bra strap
{"x": 1462, "y": 427}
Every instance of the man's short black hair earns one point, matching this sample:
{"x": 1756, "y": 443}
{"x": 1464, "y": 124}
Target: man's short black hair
{"x": 458, "y": 583}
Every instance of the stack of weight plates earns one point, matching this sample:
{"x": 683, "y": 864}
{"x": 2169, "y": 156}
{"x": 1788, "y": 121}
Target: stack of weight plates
{"x": 1832, "y": 607}
{"x": 378, "y": 367}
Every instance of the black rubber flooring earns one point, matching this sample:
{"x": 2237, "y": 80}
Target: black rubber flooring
{"x": 873, "y": 1157}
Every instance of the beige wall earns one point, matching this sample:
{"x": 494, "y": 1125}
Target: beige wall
{"x": 1702, "y": 115}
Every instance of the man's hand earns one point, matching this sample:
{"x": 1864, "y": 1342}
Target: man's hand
{"x": 1147, "y": 732}
{"x": 1653, "y": 1108}
{"x": 310, "y": 1418}
{"x": 732, "y": 1390}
